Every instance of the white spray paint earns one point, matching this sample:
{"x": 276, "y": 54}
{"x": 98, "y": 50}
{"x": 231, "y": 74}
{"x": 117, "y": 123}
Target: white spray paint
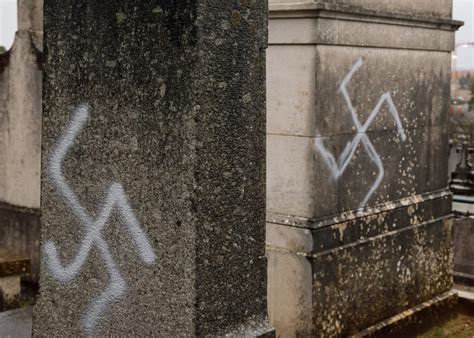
{"x": 338, "y": 167}
{"x": 115, "y": 198}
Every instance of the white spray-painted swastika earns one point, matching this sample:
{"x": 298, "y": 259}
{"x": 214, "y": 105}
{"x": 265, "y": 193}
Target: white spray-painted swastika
{"x": 115, "y": 199}
{"x": 339, "y": 167}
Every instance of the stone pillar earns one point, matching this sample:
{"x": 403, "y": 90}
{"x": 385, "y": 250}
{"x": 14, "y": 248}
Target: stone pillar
{"x": 20, "y": 137}
{"x": 464, "y": 249}
{"x": 358, "y": 211}
{"x": 153, "y": 186}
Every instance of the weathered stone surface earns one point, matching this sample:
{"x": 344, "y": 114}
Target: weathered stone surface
{"x": 12, "y": 264}
{"x": 20, "y": 111}
{"x": 176, "y": 101}
{"x": 371, "y": 34}
{"x": 438, "y": 8}
{"x": 358, "y": 214}
{"x": 414, "y": 79}
{"x": 20, "y": 137}
{"x": 16, "y": 323}
{"x": 302, "y": 184}
{"x": 10, "y": 290}
{"x": 20, "y": 233}
{"x": 328, "y": 23}
{"x": 12, "y": 267}
{"x": 418, "y": 319}
{"x": 344, "y": 275}
{"x": 464, "y": 250}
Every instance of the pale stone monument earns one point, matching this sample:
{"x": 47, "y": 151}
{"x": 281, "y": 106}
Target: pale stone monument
{"x": 358, "y": 210}
{"x": 20, "y": 137}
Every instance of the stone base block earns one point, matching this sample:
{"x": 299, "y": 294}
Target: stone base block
{"x": 464, "y": 251}
{"x": 10, "y": 290}
{"x": 20, "y": 232}
{"x": 257, "y": 327}
{"x": 414, "y": 319}
{"x": 16, "y": 323}
{"x": 338, "y": 279}
{"x": 12, "y": 267}
{"x": 465, "y": 279}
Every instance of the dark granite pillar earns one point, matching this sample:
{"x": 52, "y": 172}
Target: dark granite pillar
{"x": 153, "y": 187}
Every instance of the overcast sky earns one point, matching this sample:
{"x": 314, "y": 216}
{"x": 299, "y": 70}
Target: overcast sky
{"x": 463, "y": 10}
{"x": 7, "y": 22}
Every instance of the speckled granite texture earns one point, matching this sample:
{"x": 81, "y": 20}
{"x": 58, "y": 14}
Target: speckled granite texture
{"x": 175, "y": 92}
